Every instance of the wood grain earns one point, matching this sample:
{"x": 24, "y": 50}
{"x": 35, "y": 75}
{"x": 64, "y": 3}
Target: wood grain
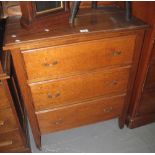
{"x": 142, "y": 120}
{"x": 145, "y": 75}
{"x": 59, "y": 61}
{"x": 100, "y": 23}
{"x": 10, "y": 140}
{"x": 4, "y": 102}
{"x": 150, "y": 81}
{"x": 147, "y": 105}
{"x": 84, "y": 70}
{"x": 80, "y": 114}
{"x": 153, "y": 51}
{"x": 19, "y": 69}
{"x": 8, "y": 121}
{"x": 74, "y": 89}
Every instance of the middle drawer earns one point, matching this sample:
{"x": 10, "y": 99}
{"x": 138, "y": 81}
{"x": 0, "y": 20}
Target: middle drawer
{"x": 66, "y": 91}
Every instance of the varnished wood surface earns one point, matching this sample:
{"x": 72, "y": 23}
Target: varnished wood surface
{"x": 73, "y": 89}
{"x": 153, "y": 51}
{"x": 4, "y": 102}
{"x": 12, "y": 136}
{"x": 108, "y": 24}
{"x": 7, "y": 121}
{"x": 80, "y": 114}
{"x": 96, "y": 21}
{"x": 136, "y": 58}
{"x": 140, "y": 11}
{"x": 142, "y": 120}
{"x": 3, "y": 75}
{"x": 150, "y": 81}
{"x": 80, "y": 57}
{"x": 5, "y": 65}
{"x": 145, "y": 75}
{"x": 141, "y": 74}
{"x": 27, "y": 98}
{"x": 147, "y": 105}
{"x": 10, "y": 140}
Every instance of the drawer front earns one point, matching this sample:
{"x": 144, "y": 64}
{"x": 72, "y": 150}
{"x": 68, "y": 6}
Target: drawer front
{"x": 147, "y": 105}
{"x": 150, "y": 81}
{"x": 4, "y": 103}
{"x": 77, "y": 88}
{"x": 80, "y": 114}
{"x": 7, "y": 121}
{"x": 84, "y": 56}
{"x": 10, "y": 140}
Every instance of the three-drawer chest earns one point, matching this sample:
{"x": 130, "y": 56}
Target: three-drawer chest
{"x": 72, "y": 75}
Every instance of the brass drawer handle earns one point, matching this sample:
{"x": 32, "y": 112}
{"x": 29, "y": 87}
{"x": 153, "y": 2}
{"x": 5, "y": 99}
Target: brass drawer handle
{"x": 58, "y": 122}
{"x": 51, "y": 64}
{"x": 114, "y": 82}
{"x": 109, "y": 109}
{"x": 116, "y": 53}
{"x": 6, "y": 143}
{"x": 0, "y": 82}
{"x": 49, "y": 95}
{"x": 53, "y": 96}
{"x": 1, "y": 123}
{"x": 57, "y": 94}
{"x": 110, "y": 83}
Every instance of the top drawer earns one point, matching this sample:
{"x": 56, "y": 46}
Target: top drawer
{"x": 55, "y": 62}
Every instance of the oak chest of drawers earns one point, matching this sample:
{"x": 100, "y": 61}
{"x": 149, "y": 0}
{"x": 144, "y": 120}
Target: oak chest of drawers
{"x": 68, "y": 78}
{"x": 13, "y": 130}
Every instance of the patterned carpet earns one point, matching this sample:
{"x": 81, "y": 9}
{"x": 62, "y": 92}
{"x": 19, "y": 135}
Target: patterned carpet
{"x": 104, "y": 137}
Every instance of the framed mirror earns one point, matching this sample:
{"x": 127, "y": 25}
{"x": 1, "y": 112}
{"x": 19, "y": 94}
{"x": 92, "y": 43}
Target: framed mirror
{"x": 35, "y": 11}
{"x": 48, "y": 6}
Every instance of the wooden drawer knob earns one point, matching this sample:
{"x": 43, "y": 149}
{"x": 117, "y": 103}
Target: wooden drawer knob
{"x": 6, "y": 143}
{"x": 1, "y": 123}
{"x": 116, "y": 53}
{"x": 51, "y": 64}
{"x": 53, "y": 96}
{"x": 109, "y": 109}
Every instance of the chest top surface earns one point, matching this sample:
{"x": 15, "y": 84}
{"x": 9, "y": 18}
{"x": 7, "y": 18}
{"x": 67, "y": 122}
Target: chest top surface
{"x": 89, "y": 22}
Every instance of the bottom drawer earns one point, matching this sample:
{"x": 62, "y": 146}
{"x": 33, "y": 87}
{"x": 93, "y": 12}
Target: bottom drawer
{"x": 7, "y": 120}
{"x": 79, "y": 114}
{"x": 10, "y": 141}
